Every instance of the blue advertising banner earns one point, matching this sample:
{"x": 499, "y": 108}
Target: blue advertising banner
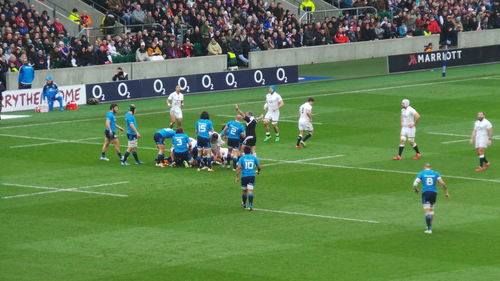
{"x": 190, "y": 84}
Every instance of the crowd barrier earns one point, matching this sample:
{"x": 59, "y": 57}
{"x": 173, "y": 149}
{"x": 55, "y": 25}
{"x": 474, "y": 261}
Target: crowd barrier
{"x": 18, "y": 100}
{"x": 455, "y": 57}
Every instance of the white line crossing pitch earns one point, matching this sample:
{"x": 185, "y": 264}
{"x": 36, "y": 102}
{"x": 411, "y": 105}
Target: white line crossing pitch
{"x": 313, "y": 215}
{"x": 55, "y": 189}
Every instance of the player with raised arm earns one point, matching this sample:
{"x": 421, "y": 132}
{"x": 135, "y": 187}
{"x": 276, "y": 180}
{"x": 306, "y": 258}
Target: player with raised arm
{"x": 246, "y": 167}
{"x": 305, "y": 123}
{"x": 203, "y": 128}
{"x": 272, "y": 108}
{"x": 132, "y": 135}
{"x": 428, "y": 178}
{"x": 175, "y": 102}
{"x": 409, "y": 119}
{"x": 251, "y": 122}
{"x": 481, "y": 137}
{"x": 159, "y": 138}
{"x": 234, "y": 132}
{"x": 110, "y": 132}
{"x": 182, "y": 144}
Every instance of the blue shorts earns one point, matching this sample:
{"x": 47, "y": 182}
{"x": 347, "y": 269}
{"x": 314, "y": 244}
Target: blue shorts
{"x": 233, "y": 143}
{"x": 429, "y": 197}
{"x": 182, "y": 156}
{"x": 131, "y": 137}
{"x": 109, "y": 136}
{"x": 203, "y": 143}
{"x": 159, "y": 138}
{"x": 246, "y": 181}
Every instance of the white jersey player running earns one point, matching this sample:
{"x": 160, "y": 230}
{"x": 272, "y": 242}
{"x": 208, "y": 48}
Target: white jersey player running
{"x": 272, "y": 107}
{"x": 175, "y": 102}
{"x": 409, "y": 120}
{"x": 305, "y": 123}
{"x": 481, "y": 137}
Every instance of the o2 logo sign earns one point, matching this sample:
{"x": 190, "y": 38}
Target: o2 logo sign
{"x": 258, "y": 77}
{"x": 182, "y": 82}
{"x": 123, "y": 90}
{"x": 281, "y": 75}
{"x": 231, "y": 80}
{"x": 98, "y": 93}
{"x": 206, "y": 81}
{"x": 158, "y": 87}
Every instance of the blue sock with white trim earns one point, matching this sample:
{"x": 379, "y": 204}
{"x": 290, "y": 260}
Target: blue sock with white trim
{"x": 428, "y": 221}
{"x": 250, "y": 200}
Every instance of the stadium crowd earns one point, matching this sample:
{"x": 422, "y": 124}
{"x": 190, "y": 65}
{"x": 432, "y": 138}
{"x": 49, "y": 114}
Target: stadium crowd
{"x": 235, "y": 27}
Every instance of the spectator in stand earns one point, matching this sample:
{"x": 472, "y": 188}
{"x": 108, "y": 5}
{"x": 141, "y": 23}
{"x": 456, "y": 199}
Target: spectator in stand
{"x": 138, "y": 16}
{"x": 85, "y": 19}
{"x": 142, "y": 53}
{"x": 154, "y": 52}
{"x": 402, "y": 30}
{"x": 214, "y": 47}
{"x": 340, "y": 36}
{"x": 237, "y": 48}
{"x": 433, "y": 26}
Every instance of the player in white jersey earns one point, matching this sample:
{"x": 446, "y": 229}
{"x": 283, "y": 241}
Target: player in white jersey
{"x": 272, "y": 107}
{"x": 305, "y": 123}
{"x": 175, "y": 102}
{"x": 409, "y": 120}
{"x": 481, "y": 137}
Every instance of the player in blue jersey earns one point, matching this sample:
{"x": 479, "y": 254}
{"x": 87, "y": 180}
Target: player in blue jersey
{"x": 110, "y": 132}
{"x": 132, "y": 135}
{"x": 246, "y": 167}
{"x": 159, "y": 138}
{"x": 204, "y": 128}
{"x": 182, "y": 145}
{"x": 235, "y": 132}
{"x": 428, "y": 178}
{"x": 50, "y": 93}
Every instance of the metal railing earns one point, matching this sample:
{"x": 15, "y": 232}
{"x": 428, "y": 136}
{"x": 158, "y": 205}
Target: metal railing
{"x": 322, "y": 14}
{"x": 94, "y": 32}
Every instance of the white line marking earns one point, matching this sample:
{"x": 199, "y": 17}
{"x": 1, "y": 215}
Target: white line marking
{"x": 380, "y": 170}
{"x": 259, "y": 101}
{"x": 454, "y": 141}
{"x": 73, "y": 189}
{"x": 281, "y": 120}
{"x": 447, "y": 134}
{"x": 314, "y": 215}
{"x": 300, "y": 160}
{"x": 54, "y": 142}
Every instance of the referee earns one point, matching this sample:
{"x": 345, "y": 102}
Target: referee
{"x": 251, "y": 122}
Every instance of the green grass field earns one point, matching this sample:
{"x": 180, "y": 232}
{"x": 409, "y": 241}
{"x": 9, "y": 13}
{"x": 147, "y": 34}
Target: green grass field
{"x": 179, "y": 224}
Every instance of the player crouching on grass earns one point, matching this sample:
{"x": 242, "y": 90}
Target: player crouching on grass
{"x": 246, "y": 167}
{"x": 481, "y": 136}
{"x": 159, "y": 138}
{"x": 110, "y": 133}
{"x": 182, "y": 145}
{"x": 429, "y": 178}
{"x": 132, "y": 135}
{"x": 305, "y": 123}
{"x": 409, "y": 119}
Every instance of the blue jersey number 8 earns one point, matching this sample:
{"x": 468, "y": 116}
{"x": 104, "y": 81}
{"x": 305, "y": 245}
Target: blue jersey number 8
{"x": 430, "y": 181}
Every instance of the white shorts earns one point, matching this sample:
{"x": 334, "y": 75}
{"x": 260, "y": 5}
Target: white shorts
{"x": 408, "y": 132}
{"x": 481, "y": 142}
{"x": 177, "y": 112}
{"x": 305, "y": 126}
{"x": 272, "y": 116}
{"x": 132, "y": 143}
{"x": 248, "y": 187}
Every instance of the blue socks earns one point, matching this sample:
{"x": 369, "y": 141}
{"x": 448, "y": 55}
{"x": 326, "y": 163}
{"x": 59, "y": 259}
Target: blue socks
{"x": 250, "y": 200}
{"x": 159, "y": 158}
{"x": 428, "y": 221}
{"x": 126, "y": 156}
{"x": 244, "y": 198}
{"x": 120, "y": 155}
{"x": 134, "y": 153}
{"x": 103, "y": 154}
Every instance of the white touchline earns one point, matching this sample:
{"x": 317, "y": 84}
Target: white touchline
{"x": 455, "y": 135}
{"x": 454, "y": 141}
{"x": 380, "y": 170}
{"x": 55, "y": 189}
{"x": 278, "y": 162}
{"x": 314, "y": 215}
{"x": 254, "y": 102}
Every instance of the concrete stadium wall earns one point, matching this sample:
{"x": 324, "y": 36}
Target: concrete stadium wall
{"x": 136, "y": 70}
{"x": 478, "y": 38}
{"x": 341, "y": 52}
